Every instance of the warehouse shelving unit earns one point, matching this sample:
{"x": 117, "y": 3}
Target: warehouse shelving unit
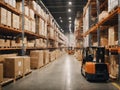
{"x": 10, "y": 31}
{"x": 102, "y": 26}
{"x": 19, "y": 34}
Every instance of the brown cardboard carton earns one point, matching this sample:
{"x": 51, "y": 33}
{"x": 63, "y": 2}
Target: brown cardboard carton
{"x": 114, "y": 65}
{"x": 26, "y": 64}
{"x": 2, "y": 57}
{"x": 9, "y": 16}
{"x": 1, "y": 72}
{"x": 103, "y": 15}
{"x": 15, "y": 21}
{"x": 3, "y": 16}
{"x": 36, "y": 59}
{"x": 46, "y": 56}
{"x": 13, "y": 67}
{"x": 19, "y": 6}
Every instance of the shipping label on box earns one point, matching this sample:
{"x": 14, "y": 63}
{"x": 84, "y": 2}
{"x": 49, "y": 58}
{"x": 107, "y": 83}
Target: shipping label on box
{"x": 19, "y": 63}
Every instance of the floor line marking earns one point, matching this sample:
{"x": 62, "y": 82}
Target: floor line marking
{"x": 116, "y": 85}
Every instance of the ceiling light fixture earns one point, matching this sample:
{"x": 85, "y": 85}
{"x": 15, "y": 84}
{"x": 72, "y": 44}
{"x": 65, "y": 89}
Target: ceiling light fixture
{"x": 69, "y": 18}
{"x": 61, "y": 21}
{"x": 70, "y": 3}
{"x": 60, "y": 18}
{"x": 70, "y": 21}
{"x": 69, "y": 10}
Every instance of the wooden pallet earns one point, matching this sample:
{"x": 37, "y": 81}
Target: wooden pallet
{"x": 6, "y": 81}
{"x": 113, "y": 46}
{"x": 27, "y": 73}
{"x": 3, "y": 25}
{"x": 17, "y": 77}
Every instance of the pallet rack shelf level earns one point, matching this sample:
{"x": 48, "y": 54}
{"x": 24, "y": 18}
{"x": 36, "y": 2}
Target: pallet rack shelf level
{"x": 3, "y": 4}
{"x": 102, "y": 22}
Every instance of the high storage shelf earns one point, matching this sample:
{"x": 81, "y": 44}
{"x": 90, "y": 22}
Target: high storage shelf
{"x": 78, "y": 31}
{"x": 10, "y": 31}
{"x": 111, "y": 19}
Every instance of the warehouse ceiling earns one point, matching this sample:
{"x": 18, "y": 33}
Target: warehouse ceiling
{"x": 65, "y": 11}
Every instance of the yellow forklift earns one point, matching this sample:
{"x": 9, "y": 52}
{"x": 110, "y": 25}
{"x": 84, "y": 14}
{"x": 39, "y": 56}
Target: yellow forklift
{"x": 93, "y": 66}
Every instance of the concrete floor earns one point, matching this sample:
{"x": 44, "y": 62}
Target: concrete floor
{"x": 62, "y": 74}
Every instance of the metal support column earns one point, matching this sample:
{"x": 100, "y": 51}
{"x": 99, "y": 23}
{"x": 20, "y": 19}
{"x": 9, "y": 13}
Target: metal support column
{"x": 23, "y": 14}
{"x": 89, "y": 24}
{"x": 119, "y": 41}
{"x": 98, "y": 30}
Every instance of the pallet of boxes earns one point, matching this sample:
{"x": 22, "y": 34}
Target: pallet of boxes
{"x": 13, "y": 67}
{"x": 36, "y": 59}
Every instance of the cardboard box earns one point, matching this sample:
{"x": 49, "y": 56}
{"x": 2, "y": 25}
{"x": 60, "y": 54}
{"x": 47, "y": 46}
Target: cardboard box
{"x": 112, "y": 4}
{"x": 46, "y": 56}
{"x": 2, "y": 57}
{"x": 7, "y": 43}
{"x": 3, "y": 16}
{"x": 31, "y": 14}
{"x": 34, "y": 5}
{"x": 36, "y": 59}
{"x": 26, "y": 11}
{"x": 31, "y": 43}
{"x": 1, "y": 72}
{"x": 33, "y": 26}
{"x": 13, "y": 67}
{"x": 19, "y": 6}
{"x": 103, "y": 15}
{"x": 114, "y": 65}
{"x": 112, "y": 35}
{"x": 4, "y": 43}
{"x": 15, "y": 21}
{"x": 9, "y": 16}
{"x": 14, "y": 3}
{"x": 6, "y": 1}
{"x": 26, "y": 64}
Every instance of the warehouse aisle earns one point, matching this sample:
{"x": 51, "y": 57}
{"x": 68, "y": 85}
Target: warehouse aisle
{"x": 62, "y": 74}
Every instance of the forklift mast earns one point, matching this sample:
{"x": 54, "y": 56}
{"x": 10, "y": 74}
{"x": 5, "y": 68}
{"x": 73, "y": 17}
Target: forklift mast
{"x": 94, "y": 54}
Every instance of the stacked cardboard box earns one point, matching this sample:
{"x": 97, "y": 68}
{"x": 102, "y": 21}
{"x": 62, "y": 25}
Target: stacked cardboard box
{"x": 13, "y": 67}
{"x": 103, "y": 15}
{"x": 34, "y": 5}
{"x": 26, "y": 64}
{"x": 10, "y": 2}
{"x": 9, "y": 15}
{"x": 41, "y": 27}
{"x": 2, "y": 57}
{"x": 19, "y": 6}
{"x": 15, "y": 21}
{"x": 3, "y": 16}
{"x": 112, "y": 35}
{"x": 114, "y": 65}
{"x": 31, "y": 14}
{"x": 104, "y": 39}
{"x": 26, "y": 24}
{"x": 52, "y": 55}
{"x": 18, "y": 42}
{"x": 33, "y": 26}
{"x": 36, "y": 59}
{"x": 51, "y": 33}
{"x": 46, "y": 56}
{"x": 31, "y": 43}
{"x": 112, "y": 4}
{"x": 1, "y": 72}
{"x": 4, "y": 43}
{"x": 79, "y": 55}
{"x": 26, "y": 11}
